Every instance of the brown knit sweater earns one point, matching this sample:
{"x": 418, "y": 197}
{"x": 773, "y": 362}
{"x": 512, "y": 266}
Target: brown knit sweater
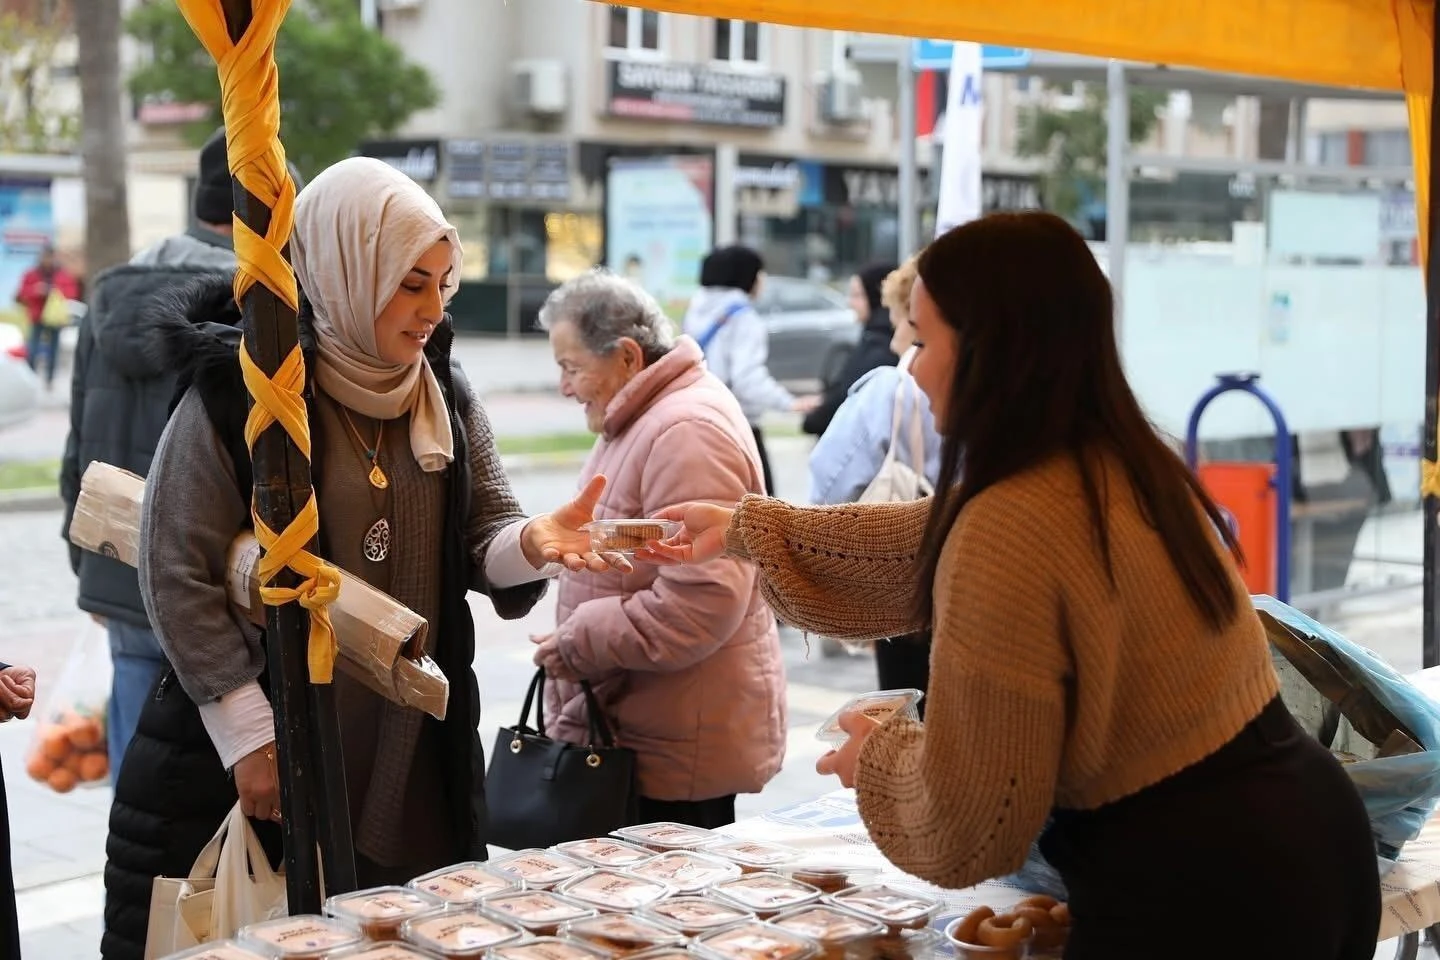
{"x": 1048, "y": 686}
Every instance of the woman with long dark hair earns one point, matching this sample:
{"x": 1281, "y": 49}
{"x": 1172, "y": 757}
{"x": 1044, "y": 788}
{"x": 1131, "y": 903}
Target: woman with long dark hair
{"x": 1096, "y": 661}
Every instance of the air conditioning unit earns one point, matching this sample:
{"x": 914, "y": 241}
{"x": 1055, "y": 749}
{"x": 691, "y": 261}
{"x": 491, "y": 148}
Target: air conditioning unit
{"x": 840, "y": 99}
{"x": 539, "y": 87}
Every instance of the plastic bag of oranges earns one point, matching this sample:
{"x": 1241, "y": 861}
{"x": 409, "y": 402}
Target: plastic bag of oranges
{"x": 69, "y": 748}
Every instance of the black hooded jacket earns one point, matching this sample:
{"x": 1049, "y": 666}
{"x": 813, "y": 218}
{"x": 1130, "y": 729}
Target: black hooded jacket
{"x": 872, "y": 351}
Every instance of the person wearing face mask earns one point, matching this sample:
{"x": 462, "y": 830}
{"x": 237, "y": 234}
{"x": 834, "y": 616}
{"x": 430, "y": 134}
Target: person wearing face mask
{"x": 412, "y": 499}
{"x": 685, "y": 662}
{"x": 873, "y": 350}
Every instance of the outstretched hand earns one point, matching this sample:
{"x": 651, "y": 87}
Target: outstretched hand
{"x": 559, "y": 537}
{"x": 701, "y": 538}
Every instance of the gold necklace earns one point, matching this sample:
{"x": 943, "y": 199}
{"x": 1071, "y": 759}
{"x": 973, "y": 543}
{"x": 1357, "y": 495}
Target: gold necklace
{"x": 378, "y": 480}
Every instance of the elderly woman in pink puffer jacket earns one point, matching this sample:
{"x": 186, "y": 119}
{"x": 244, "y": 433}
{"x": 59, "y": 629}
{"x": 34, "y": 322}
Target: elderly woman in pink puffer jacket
{"x": 684, "y": 660}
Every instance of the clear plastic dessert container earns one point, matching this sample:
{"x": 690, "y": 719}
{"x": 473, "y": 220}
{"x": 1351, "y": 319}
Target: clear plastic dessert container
{"x": 379, "y": 911}
{"x": 464, "y": 883}
{"x": 755, "y": 941}
{"x": 693, "y": 916}
{"x": 838, "y": 932}
{"x": 459, "y": 933}
{"x": 665, "y": 836}
{"x": 878, "y": 706}
{"x": 605, "y": 852}
{"x": 753, "y": 856}
{"x": 897, "y": 909}
{"x": 627, "y": 536}
{"x": 623, "y": 935}
{"x": 539, "y": 912}
{"x": 829, "y": 876}
{"x": 219, "y": 950}
{"x": 664, "y": 953}
{"x": 766, "y": 893}
{"x": 391, "y": 950}
{"x": 686, "y": 871}
{"x": 302, "y": 937}
{"x": 613, "y": 891}
{"x": 538, "y": 869}
{"x": 546, "y": 948}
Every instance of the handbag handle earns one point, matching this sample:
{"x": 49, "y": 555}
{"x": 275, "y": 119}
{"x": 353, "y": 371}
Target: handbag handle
{"x": 599, "y": 728}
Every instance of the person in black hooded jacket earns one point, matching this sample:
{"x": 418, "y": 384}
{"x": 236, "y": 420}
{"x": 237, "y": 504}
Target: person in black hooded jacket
{"x": 872, "y": 351}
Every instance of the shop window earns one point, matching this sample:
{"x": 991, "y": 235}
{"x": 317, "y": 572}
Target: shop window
{"x": 737, "y": 41}
{"x": 633, "y": 30}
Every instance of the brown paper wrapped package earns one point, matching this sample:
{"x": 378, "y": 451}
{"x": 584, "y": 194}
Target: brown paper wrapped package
{"x": 382, "y": 643}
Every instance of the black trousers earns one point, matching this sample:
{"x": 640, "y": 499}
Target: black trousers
{"x": 9, "y": 922}
{"x": 715, "y": 812}
{"x": 1266, "y": 839}
{"x": 764, "y": 463}
{"x": 904, "y": 662}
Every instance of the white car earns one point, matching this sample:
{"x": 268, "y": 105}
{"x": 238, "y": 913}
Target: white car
{"x": 19, "y": 387}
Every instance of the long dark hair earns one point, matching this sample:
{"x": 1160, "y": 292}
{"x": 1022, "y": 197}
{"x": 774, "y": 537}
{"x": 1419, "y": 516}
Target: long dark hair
{"x": 1038, "y": 373}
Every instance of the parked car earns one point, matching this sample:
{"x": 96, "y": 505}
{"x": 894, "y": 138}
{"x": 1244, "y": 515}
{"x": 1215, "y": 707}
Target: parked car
{"x": 19, "y": 387}
{"x": 812, "y": 330}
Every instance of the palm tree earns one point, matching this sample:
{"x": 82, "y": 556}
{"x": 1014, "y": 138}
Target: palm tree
{"x": 102, "y": 140}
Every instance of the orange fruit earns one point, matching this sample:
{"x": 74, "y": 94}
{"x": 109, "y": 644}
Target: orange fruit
{"x": 62, "y": 780}
{"x": 94, "y": 767}
{"x": 38, "y": 765}
{"x": 84, "y": 734}
{"x": 55, "y": 743}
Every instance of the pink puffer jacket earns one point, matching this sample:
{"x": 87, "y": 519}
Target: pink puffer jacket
{"x": 685, "y": 660}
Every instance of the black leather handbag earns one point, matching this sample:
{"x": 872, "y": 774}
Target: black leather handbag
{"x": 541, "y": 792}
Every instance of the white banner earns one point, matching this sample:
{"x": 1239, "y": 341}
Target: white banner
{"x": 960, "y": 157}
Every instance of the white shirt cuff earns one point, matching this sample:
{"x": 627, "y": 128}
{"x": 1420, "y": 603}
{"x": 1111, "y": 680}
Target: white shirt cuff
{"x": 505, "y": 563}
{"x": 239, "y": 723}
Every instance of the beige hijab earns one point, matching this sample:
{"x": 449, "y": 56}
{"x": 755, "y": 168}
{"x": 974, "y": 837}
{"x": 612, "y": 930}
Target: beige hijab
{"x": 359, "y": 228}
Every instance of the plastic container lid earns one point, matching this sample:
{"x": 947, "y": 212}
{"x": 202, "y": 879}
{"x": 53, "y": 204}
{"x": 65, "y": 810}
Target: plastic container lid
{"x": 695, "y": 915}
{"x": 547, "y": 948}
{"x": 220, "y": 950}
{"x": 538, "y": 869}
{"x": 463, "y": 883}
{"x": 615, "y": 891}
{"x": 830, "y": 875}
{"x": 828, "y": 925}
{"x": 897, "y": 908}
{"x": 459, "y": 932}
{"x": 686, "y": 871}
{"x": 605, "y": 852}
{"x": 305, "y": 936}
{"x": 627, "y": 536}
{"x": 753, "y": 854}
{"x": 766, "y": 893}
{"x": 664, "y": 953}
{"x": 379, "y": 911}
{"x": 391, "y": 950}
{"x": 756, "y": 941}
{"x": 538, "y": 909}
{"x": 667, "y": 836}
{"x": 621, "y": 935}
{"x": 879, "y": 706}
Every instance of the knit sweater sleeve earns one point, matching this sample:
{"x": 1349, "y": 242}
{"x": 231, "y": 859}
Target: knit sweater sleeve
{"x": 844, "y": 571}
{"x": 960, "y": 798}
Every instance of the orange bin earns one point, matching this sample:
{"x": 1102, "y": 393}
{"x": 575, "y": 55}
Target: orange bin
{"x": 1247, "y": 494}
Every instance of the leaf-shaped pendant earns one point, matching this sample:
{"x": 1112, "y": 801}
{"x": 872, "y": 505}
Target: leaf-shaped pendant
{"x": 378, "y": 480}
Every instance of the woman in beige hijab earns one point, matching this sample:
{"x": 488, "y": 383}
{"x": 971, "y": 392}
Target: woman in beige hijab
{"x": 413, "y": 499}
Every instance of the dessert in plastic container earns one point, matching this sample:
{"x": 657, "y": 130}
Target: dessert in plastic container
{"x": 878, "y": 706}
{"x": 752, "y": 855}
{"x": 829, "y": 876}
{"x": 379, "y": 911}
{"x": 303, "y": 937}
{"x": 664, "y": 953}
{"x": 834, "y": 929}
{"x": 622, "y": 935}
{"x": 923, "y": 943}
{"x": 627, "y": 536}
{"x": 464, "y": 883}
{"x": 897, "y": 909}
{"x": 391, "y": 950}
{"x": 766, "y": 893}
{"x": 686, "y": 871}
{"x": 546, "y": 948}
{"x": 459, "y": 933}
{"x": 605, "y": 852}
{"x": 756, "y": 941}
{"x": 693, "y": 916}
{"x": 540, "y": 912}
{"x": 538, "y": 869}
{"x": 219, "y": 950}
{"x": 614, "y": 891}
{"x": 665, "y": 836}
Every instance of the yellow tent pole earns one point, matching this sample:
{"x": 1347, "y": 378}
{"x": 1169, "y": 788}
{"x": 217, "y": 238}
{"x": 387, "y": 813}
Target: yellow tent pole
{"x": 295, "y": 584}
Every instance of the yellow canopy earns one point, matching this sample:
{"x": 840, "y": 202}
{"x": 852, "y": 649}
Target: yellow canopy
{"x": 1378, "y": 44}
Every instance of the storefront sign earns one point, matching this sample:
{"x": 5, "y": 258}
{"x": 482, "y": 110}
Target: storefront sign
{"x": 779, "y": 175}
{"x": 417, "y": 159}
{"x": 515, "y": 170}
{"x": 690, "y": 93}
{"x": 880, "y": 187}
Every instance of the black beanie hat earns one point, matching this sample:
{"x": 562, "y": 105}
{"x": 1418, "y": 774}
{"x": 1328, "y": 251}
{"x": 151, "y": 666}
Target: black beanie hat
{"x": 736, "y": 267}
{"x": 214, "y": 199}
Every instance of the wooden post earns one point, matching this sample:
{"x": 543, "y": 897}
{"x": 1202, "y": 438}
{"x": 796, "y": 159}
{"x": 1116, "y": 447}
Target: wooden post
{"x": 314, "y": 804}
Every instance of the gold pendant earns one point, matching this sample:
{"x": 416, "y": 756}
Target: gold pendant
{"x": 378, "y": 480}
